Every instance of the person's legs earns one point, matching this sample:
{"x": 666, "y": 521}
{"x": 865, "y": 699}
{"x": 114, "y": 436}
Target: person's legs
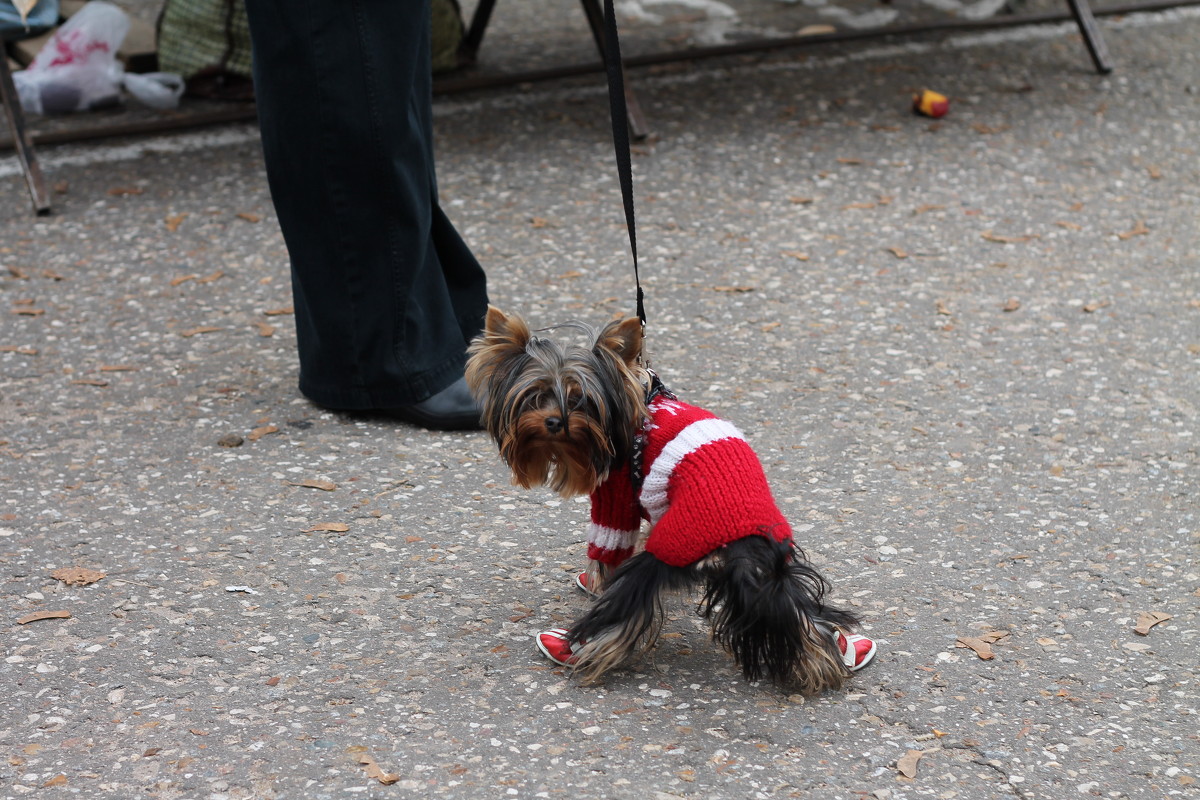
{"x": 387, "y": 294}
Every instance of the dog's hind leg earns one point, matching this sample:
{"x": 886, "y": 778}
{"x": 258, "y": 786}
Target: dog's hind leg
{"x": 766, "y": 605}
{"x": 628, "y": 615}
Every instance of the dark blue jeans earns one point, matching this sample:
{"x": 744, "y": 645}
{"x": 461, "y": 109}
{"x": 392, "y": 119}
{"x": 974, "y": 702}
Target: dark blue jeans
{"x": 387, "y": 294}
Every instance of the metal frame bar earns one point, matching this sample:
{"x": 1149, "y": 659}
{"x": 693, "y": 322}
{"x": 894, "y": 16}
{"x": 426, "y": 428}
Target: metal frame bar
{"x": 469, "y": 51}
{"x": 1082, "y": 13}
{"x": 23, "y": 142}
{"x": 443, "y": 86}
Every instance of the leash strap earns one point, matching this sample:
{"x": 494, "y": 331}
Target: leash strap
{"x": 620, "y": 126}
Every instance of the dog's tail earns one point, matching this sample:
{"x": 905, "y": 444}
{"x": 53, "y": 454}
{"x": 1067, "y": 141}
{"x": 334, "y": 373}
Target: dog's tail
{"x": 766, "y": 605}
{"x": 626, "y": 619}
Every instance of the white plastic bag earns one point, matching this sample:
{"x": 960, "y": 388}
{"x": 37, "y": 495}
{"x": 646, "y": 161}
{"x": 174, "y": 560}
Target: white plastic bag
{"x": 159, "y": 90}
{"x": 77, "y": 69}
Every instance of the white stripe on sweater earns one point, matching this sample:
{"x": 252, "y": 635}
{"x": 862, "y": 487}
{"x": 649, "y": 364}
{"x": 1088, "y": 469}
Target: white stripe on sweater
{"x": 611, "y": 538}
{"x": 688, "y": 440}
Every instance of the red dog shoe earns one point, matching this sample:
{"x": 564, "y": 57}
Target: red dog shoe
{"x": 857, "y": 650}
{"x": 582, "y": 584}
{"x": 556, "y": 647}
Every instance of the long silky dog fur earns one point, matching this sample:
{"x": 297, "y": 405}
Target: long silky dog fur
{"x": 765, "y": 603}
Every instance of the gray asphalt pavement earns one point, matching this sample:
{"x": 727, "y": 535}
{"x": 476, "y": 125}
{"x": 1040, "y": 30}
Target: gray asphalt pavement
{"x": 966, "y": 351}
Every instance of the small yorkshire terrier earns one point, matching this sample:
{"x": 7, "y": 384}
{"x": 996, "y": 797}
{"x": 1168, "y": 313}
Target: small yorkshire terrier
{"x": 593, "y": 420}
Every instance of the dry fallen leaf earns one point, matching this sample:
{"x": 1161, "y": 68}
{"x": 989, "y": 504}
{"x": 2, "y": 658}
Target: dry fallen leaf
{"x": 734, "y": 289}
{"x": 539, "y": 222}
{"x": 211, "y": 277}
{"x": 851, "y": 206}
{"x": 796, "y": 254}
{"x": 265, "y": 330}
{"x": 26, "y": 311}
{"x": 898, "y": 252}
{"x": 801, "y": 201}
{"x": 1139, "y": 229}
{"x": 246, "y": 215}
{"x": 174, "y": 221}
{"x": 57, "y": 780}
{"x": 325, "y": 486}
{"x": 327, "y": 527}
{"x": 982, "y": 645}
{"x": 942, "y": 308}
{"x": 907, "y": 764}
{"x": 280, "y": 312}
{"x": 1090, "y": 307}
{"x": 261, "y": 431}
{"x": 89, "y": 382}
{"x": 40, "y": 615}
{"x": 1147, "y": 620}
{"x": 183, "y": 279}
{"x": 927, "y": 207}
{"x": 1010, "y": 305}
{"x": 375, "y": 771}
{"x": 995, "y": 237}
{"x": 190, "y": 332}
{"x": 14, "y": 348}
{"x": 118, "y": 368}
{"x": 77, "y": 576}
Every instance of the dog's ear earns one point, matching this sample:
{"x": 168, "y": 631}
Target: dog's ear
{"x": 498, "y": 326}
{"x": 491, "y": 354}
{"x": 624, "y": 338}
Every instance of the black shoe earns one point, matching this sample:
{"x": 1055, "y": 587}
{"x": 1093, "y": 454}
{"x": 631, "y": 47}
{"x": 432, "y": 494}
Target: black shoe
{"x": 451, "y": 409}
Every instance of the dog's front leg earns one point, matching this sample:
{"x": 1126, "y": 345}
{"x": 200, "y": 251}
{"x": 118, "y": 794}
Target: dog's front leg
{"x": 627, "y": 617}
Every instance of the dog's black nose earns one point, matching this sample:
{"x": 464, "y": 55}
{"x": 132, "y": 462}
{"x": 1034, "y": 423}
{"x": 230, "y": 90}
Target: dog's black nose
{"x": 554, "y": 424}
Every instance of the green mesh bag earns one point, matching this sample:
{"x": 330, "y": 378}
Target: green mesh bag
{"x": 447, "y": 34}
{"x": 208, "y": 43}
{"x": 204, "y": 36}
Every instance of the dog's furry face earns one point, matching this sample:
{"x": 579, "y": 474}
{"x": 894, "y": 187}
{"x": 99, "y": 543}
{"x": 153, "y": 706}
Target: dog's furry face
{"x": 562, "y": 416}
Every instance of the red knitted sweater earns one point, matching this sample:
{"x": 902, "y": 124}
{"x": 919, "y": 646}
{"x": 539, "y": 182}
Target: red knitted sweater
{"x": 703, "y": 488}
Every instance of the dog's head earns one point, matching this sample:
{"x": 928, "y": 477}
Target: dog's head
{"x": 562, "y": 415}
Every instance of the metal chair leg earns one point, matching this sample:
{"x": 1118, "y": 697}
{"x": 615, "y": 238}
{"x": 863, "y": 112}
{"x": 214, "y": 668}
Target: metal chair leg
{"x": 1091, "y": 35}
{"x": 21, "y": 140}
{"x": 469, "y": 49}
{"x": 638, "y": 129}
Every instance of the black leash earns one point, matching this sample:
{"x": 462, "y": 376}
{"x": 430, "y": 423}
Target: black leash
{"x": 620, "y": 126}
